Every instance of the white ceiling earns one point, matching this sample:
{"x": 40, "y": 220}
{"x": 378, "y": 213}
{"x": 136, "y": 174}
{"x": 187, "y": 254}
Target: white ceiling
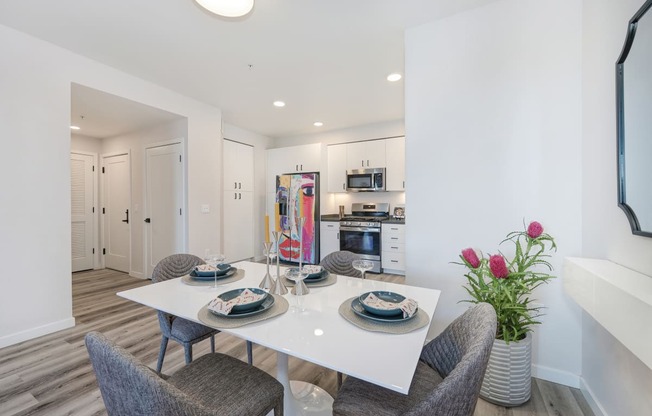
{"x": 327, "y": 59}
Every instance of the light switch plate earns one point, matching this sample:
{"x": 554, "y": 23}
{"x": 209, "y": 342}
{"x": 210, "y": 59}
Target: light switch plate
{"x": 205, "y": 208}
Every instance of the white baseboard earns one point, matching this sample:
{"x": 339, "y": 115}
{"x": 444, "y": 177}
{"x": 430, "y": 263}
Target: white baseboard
{"x": 590, "y": 399}
{"x": 556, "y": 376}
{"x": 139, "y": 275}
{"x": 36, "y": 332}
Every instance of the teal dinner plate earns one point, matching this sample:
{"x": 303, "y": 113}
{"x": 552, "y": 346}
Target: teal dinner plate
{"x": 211, "y": 275}
{"x": 231, "y": 294}
{"x": 356, "y": 305}
{"x": 386, "y": 296}
{"x": 268, "y": 302}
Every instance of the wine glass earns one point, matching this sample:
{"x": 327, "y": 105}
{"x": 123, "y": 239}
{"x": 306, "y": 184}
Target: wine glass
{"x": 213, "y": 259}
{"x": 362, "y": 266}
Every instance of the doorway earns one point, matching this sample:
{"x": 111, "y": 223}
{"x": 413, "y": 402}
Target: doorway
{"x": 164, "y": 203}
{"x": 116, "y": 201}
{"x": 82, "y": 198}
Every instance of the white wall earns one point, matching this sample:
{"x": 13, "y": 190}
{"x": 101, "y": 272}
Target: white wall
{"x": 35, "y": 80}
{"x": 493, "y": 117}
{"x": 619, "y": 382}
{"x": 330, "y": 202}
{"x": 260, "y": 144}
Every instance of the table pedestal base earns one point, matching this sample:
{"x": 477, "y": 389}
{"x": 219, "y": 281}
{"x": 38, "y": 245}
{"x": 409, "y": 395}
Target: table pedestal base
{"x": 301, "y": 398}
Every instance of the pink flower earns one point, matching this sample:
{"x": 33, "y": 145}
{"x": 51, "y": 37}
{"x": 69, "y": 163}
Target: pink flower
{"x": 534, "y": 229}
{"x": 498, "y": 266}
{"x": 471, "y": 257}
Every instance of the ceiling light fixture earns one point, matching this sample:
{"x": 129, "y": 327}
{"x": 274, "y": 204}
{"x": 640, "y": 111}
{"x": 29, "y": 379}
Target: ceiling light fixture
{"x": 317, "y": 124}
{"x": 74, "y": 127}
{"x": 394, "y": 77}
{"x": 279, "y": 104}
{"x": 227, "y": 8}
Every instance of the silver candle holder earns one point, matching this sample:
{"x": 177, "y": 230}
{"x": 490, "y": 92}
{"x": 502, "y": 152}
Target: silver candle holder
{"x": 278, "y": 287}
{"x": 267, "y": 282}
{"x": 300, "y": 287}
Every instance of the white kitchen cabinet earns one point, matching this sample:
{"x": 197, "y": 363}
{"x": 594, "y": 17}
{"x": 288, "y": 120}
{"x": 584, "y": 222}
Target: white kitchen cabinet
{"x": 393, "y": 248}
{"x": 294, "y": 159}
{"x": 238, "y": 166}
{"x": 329, "y": 238}
{"x": 238, "y": 200}
{"x": 367, "y": 154}
{"x": 337, "y": 168}
{"x": 238, "y": 225}
{"x": 395, "y": 164}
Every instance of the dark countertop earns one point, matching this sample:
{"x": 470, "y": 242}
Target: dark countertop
{"x": 336, "y": 218}
{"x": 331, "y": 217}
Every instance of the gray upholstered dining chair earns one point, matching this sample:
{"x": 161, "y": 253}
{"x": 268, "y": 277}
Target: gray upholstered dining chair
{"x": 339, "y": 262}
{"x": 214, "y": 384}
{"x": 447, "y": 379}
{"x": 177, "y": 329}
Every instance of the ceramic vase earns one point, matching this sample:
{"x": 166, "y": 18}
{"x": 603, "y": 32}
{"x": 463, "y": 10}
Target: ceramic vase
{"x": 508, "y": 379}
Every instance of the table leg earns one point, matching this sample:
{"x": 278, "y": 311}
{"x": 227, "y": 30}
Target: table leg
{"x": 301, "y": 398}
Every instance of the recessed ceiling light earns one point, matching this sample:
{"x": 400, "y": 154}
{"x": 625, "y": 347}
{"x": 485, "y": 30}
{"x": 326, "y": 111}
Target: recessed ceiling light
{"x": 74, "y": 127}
{"x": 227, "y": 8}
{"x": 279, "y": 104}
{"x": 317, "y": 124}
{"x": 394, "y": 77}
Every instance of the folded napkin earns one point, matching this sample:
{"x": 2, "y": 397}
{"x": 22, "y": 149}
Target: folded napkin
{"x": 408, "y": 306}
{"x": 205, "y": 268}
{"x": 224, "y": 307}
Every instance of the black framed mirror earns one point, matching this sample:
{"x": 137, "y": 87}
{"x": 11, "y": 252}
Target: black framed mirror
{"x": 634, "y": 122}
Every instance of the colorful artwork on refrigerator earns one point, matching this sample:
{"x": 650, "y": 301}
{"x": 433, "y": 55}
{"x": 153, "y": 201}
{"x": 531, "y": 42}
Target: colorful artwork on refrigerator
{"x": 296, "y": 195}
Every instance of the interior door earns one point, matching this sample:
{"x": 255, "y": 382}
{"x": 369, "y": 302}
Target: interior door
{"x": 81, "y": 198}
{"x": 164, "y": 226}
{"x": 116, "y": 180}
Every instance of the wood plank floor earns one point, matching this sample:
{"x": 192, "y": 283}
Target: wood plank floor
{"x": 51, "y": 375}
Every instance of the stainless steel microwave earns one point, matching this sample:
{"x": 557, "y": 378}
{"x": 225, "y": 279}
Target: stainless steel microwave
{"x": 365, "y": 180}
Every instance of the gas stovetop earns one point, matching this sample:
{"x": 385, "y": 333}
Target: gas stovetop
{"x": 364, "y": 218}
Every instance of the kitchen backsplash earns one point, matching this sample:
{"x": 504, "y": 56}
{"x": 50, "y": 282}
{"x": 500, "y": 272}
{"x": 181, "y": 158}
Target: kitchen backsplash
{"x": 330, "y": 201}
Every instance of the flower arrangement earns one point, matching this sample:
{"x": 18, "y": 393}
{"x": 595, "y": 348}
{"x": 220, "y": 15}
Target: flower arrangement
{"x": 507, "y": 286}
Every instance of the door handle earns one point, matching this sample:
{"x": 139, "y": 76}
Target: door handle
{"x": 147, "y": 220}
{"x": 127, "y": 219}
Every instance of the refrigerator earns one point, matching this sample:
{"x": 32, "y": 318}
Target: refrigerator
{"x": 297, "y": 196}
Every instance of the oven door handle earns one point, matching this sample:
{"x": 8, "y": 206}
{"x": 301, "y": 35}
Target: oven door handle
{"x": 361, "y": 229}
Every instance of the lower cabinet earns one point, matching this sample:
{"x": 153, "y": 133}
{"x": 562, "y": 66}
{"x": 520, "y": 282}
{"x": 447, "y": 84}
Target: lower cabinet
{"x": 329, "y": 237}
{"x": 393, "y": 248}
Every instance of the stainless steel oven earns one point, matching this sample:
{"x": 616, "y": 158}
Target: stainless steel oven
{"x": 360, "y": 232}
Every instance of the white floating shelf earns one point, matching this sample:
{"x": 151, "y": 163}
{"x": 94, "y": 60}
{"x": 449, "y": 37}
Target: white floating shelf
{"x": 618, "y": 298}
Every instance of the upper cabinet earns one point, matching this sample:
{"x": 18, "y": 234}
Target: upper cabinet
{"x": 337, "y": 168}
{"x": 238, "y": 166}
{"x": 368, "y": 154}
{"x": 294, "y": 159}
{"x": 395, "y": 164}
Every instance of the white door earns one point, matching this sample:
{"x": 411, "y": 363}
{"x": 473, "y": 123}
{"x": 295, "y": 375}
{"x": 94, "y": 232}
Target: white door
{"x": 81, "y": 196}
{"x": 116, "y": 181}
{"x": 164, "y": 228}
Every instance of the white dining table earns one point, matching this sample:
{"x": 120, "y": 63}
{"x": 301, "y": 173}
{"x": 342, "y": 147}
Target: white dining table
{"x": 312, "y": 330}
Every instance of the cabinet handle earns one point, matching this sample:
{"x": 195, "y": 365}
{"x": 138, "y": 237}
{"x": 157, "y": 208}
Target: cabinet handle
{"x": 367, "y": 162}
{"x": 338, "y": 236}
{"x": 301, "y": 167}
{"x": 235, "y": 195}
{"x": 394, "y": 261}
{"x": 394, "y": 229}
{"x": 343, "y": 186}
{"x": 395, "y": 248}
{"x": 362, "y": 163}
{"x": 296, "y": 167}
{"x": 235, "y": 185}
{"x": 394, "y": 238}
{"x": 239, "y": 195}
{"x": 239, "y": 185}
{"x": 403, "y": 184}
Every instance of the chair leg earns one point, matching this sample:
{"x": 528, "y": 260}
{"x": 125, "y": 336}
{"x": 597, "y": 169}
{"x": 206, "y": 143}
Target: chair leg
{"x": 161, "y": 353}
{"x": 278, "y": 409}
{"x": 250, "y": 353}
{"x": 212, "y": 343}
{"x": 188, "y": 348}
{"x": 339, "y": 380}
